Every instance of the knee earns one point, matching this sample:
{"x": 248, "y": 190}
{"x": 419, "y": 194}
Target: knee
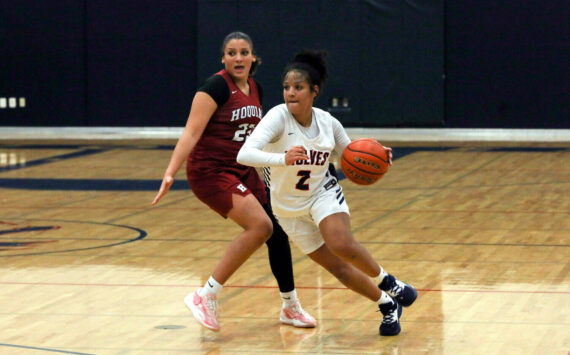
{"x": 344, "y": 247}
{"x": 267, "y": 230}
{"x": 263, "y": 230}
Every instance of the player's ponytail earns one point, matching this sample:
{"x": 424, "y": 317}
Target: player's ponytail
{"x": 311, "y": 63}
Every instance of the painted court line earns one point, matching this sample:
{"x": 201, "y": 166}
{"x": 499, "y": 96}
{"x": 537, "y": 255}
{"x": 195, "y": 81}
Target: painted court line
{"x": 265, "y": 287}
{"x": 43, "y": 349}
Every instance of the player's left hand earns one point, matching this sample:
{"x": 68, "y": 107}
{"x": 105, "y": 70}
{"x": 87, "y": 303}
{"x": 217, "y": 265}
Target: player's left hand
{"x": 389, "y": 153}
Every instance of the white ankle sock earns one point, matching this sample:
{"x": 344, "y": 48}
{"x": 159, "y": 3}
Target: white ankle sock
{"x": 211, "y": 287}
{"x": 380, "y": 276}
{"x": 385, "y": 298}
{"x": 289, "y": 298}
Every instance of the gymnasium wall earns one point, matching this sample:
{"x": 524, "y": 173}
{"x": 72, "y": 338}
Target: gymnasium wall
{"x": 97, "y": 62}
{"x": 42, "y": 63}
{"x": 386, "y": 57}
{"x": 431, "y": 63}
{"x": 508, "y": 64}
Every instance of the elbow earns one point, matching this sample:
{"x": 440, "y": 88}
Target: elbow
{"x": 240, "y": 157}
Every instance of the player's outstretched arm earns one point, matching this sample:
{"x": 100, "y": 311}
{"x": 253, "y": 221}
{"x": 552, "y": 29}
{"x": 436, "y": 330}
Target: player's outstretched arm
{"x": 203, "y": 107}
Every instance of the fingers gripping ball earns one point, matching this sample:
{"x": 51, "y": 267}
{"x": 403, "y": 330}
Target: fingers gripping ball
{"x": 364, "y": 161}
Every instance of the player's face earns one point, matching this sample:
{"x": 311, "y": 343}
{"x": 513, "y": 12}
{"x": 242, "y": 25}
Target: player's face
{"x": 298, "y": 95}
{"x": 238, "y": 58}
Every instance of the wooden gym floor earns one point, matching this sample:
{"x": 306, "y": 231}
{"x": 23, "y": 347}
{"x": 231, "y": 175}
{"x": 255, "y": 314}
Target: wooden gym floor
{"x": 88, "y": 267}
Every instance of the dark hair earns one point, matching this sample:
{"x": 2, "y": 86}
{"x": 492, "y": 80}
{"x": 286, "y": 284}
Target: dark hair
{"x": 244, "y": 36}
{"x": 311, "y": 64}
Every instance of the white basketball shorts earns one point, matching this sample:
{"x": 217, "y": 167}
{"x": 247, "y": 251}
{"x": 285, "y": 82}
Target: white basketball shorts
{"x": 304, "y": 230}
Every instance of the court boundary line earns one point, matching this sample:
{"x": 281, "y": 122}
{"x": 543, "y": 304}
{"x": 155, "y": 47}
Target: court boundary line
{"x": 43, "y": 349}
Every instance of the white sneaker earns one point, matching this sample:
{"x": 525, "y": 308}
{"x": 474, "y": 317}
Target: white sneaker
{"x": 204, "y": 309}
{"x": 296, "y": 316}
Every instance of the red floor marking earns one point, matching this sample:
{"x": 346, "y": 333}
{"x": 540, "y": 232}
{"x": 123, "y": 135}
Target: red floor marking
{"x": 268, "y": 287}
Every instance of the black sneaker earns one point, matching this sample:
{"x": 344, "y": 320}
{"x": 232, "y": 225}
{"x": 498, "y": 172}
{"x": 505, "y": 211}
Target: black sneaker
{"x": 391, "y": 321}
{"x": 403, "y": 293}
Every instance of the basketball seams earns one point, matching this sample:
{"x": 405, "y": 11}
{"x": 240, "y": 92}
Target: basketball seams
{"x": 360, "y": 169}
{"x": 367, "y": 153}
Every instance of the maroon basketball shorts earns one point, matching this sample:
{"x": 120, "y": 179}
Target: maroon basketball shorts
{"x": 216, "y": 190}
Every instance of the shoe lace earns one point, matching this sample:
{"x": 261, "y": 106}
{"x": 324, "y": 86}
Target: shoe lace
{"x": 397, "y": 288}
{"x": 390, "y": 317}
{"x": 212, "y": 305}
{"x": 296, "y": 308}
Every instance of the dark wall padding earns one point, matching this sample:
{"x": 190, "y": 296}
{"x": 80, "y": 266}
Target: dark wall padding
{"x": 386, "y": 56}
{"x": 98, "y": 62}
{"x": 413, "y": 63}
{"x": 141, "y": 62}
{"x": 42, "y": 60}
{"x": 508, "y": 64}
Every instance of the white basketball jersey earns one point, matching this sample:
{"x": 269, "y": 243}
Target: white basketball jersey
{"x": 294, "y": 187}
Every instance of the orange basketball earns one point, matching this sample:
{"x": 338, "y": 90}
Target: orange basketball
{"x": 364, "y": 161}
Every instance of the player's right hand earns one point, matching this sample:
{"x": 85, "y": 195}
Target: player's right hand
{"x": 164, "y": 187}
{"x": 297, "y": 152}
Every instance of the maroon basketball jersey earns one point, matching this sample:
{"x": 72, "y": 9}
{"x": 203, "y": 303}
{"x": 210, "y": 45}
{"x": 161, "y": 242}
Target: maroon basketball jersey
{"x": 227, "y": 130}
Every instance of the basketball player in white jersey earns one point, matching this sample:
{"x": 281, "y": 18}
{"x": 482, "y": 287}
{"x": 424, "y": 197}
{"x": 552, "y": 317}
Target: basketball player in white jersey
{"x": 295, "y": 141}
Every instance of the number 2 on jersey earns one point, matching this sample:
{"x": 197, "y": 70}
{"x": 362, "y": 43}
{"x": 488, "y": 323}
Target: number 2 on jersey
{"x": 305, "y": 175}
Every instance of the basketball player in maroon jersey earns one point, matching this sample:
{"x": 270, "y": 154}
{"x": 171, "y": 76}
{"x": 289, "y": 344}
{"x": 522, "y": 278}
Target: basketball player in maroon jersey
{"x": 225, "y": 110}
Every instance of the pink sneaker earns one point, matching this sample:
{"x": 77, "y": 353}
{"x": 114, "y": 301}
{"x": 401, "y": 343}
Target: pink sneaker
{"x": 296, "y": 316}
{"x": 204, "y": 309}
